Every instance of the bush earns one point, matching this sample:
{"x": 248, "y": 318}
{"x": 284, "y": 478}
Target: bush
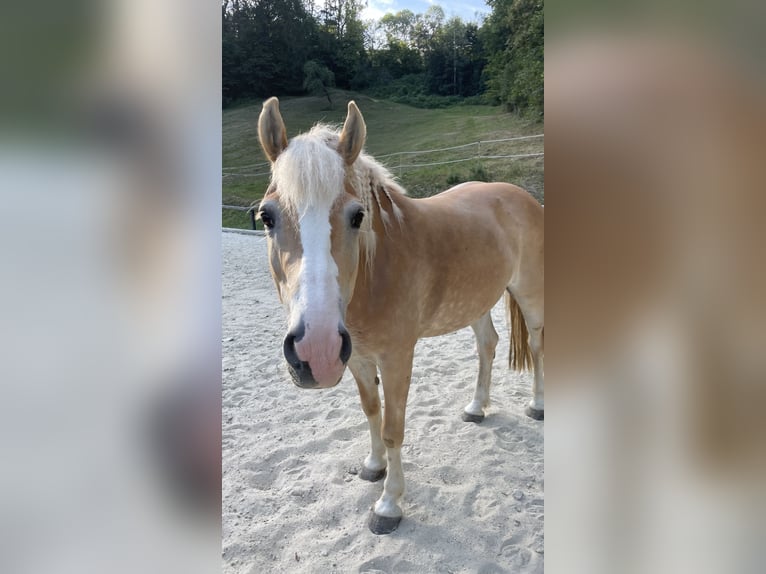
{"x": 478, "y": 173}
{"x": 412, "y": 90}
{"x": 454, "y": 178}
{"x": 407, "y": 86}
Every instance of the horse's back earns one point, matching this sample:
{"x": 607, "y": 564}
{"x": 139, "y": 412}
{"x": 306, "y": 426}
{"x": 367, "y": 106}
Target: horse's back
{"x": 476, "y": 203}
{"x": 475, "y": 235}
{"x": 480, "y": 193}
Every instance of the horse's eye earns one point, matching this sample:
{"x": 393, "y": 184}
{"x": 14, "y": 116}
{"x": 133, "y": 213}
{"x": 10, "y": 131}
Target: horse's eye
{"x": 356, "y": 219}
{"x": 268, "y": 221}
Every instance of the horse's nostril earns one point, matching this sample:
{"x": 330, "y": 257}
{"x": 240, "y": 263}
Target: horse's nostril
{"x": 290, "y": 353}
{"x": 345, "y": 345}
{"x": 288, "y": 347}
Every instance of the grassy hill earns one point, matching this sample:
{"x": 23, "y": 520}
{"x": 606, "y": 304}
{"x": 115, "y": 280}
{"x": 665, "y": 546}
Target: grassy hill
{"x": 391, "y": 128}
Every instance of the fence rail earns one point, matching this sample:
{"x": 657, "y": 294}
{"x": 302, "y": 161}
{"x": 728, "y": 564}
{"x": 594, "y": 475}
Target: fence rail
{"x": 516, "y": 156}
{"x": 400, "y": 154}
{"x": 248, "y": 166}
{"x": 250, "y": 211}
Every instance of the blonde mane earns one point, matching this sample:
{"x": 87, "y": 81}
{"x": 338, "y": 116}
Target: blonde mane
{"x": 311, "y": 172}
{"x": 308, "y": 173}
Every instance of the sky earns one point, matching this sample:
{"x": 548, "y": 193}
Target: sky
{"x": 466, "y": 9}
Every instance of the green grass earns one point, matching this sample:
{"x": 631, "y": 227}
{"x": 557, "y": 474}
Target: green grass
{"x": 391, "y": 127}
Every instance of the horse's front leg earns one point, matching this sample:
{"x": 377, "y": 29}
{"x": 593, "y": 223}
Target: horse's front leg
{"x": 395, "y": 371}
{"x": 365, "y": 373}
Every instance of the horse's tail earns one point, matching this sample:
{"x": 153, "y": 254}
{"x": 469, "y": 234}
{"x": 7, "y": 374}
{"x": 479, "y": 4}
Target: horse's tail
{"x": 520, "y": 356}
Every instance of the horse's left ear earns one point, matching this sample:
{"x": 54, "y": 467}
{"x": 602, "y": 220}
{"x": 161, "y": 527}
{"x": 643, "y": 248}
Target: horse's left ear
{"x": 353, "y": 135}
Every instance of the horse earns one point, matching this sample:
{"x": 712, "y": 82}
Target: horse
{"x": 364, "y": 271}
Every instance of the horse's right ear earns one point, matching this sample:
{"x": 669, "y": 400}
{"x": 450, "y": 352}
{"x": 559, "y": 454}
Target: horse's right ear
{"x": 271, "y": 130}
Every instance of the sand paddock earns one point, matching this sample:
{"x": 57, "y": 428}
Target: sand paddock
{"x": 292, "y": 500}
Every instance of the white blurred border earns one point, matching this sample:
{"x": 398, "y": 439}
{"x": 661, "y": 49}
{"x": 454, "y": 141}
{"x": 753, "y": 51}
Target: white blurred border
{"x": 110, "y": 290}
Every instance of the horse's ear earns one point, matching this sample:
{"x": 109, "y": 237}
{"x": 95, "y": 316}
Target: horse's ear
{"x": 271, "y": 129}
{"x": 353, "y": 135}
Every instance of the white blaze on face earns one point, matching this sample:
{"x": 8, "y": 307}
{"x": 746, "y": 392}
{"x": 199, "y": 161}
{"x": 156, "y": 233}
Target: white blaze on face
{"x": 310, "y": 175}
{"x": 317, "y": 301}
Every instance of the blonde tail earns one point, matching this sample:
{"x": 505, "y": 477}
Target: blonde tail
{"x": 520, "y": 356}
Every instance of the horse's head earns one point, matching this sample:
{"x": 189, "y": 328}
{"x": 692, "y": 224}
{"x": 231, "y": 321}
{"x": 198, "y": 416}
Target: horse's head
{"x": 312, "y": 219}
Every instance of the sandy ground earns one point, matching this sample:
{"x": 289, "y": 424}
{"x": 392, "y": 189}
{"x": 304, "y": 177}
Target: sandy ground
{"x": 292, "y": 500}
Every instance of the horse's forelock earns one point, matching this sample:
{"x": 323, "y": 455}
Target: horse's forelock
{"x": 310, "y": 172}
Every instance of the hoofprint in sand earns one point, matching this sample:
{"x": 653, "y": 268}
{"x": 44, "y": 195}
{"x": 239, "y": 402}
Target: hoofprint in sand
{"x": 292, "y": 500}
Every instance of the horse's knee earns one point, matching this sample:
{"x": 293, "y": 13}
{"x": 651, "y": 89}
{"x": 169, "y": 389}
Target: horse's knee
{"x": 392, "y": 438}
{"x": 371, "y": 408}
{"x": 392, "y": 431}
{"x": 370, "y": 399}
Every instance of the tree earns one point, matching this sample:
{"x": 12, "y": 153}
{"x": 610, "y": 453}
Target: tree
{"x": 341, "y": 38}
{"x": 293, "y": 46}
{"x": 318, "y": 79}
{"x": 400, "y": 59}
{"x": 264, "y": 46}
{"x": 514, "y": 35}
{"x": 455, "y": 60}
{"x": 399, "y": 26}
{"x": 427, "y": 27}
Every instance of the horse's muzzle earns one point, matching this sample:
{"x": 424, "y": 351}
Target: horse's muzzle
{"x": 300, "y": 370}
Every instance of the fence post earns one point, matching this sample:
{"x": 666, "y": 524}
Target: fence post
{"x": 251, "y": 212}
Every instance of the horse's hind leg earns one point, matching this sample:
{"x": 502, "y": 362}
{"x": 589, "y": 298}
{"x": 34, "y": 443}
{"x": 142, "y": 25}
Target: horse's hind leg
{"x": 486, "y": 342}
{"x": 365, "y": 373}
{"x": 536, "y": 408}
{"x": 532, "y": 308}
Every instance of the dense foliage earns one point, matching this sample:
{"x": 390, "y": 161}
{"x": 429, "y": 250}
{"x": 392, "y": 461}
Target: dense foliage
{"x": 298, "y": 46}
{"x": 514, "y": 38}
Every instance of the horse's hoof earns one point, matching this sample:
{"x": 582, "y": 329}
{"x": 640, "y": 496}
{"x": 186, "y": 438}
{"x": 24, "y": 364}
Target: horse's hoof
{"x": 472, "y": 418}
{"x": 534, "y": 413}
{"x": 383, "y": 524}
{"x": 372, "y": 475}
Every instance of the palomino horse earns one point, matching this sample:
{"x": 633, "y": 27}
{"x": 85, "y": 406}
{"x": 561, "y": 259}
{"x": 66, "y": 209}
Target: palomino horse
{"x": 365, "y": 271}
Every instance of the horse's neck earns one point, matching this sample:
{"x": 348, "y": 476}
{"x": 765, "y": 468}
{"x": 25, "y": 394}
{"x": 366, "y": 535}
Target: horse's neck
{"x": 390, "y": 213}
{"x": 392, "y": 218}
